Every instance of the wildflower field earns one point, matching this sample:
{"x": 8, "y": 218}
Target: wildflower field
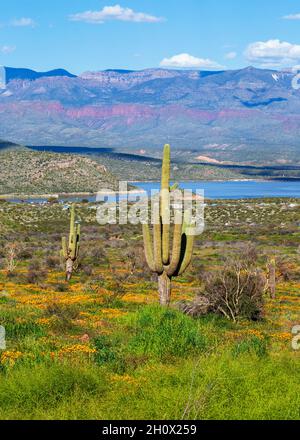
{"x": 100, "y": 346}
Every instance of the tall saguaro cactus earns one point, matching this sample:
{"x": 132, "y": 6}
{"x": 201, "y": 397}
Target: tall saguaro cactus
{"x": 70, "y": 248}
{"x": 157, "y": 251}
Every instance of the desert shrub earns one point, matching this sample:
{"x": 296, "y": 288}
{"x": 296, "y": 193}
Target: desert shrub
{"x": 234, "y": 291}
{"x": 11, "y": 256}
{"x": 97, "y": 255}
{"x": 63, "y": 314}
{"x": 62, "y": 311}
{"x": 61, "y": 287}
{"x": 94, "y": 284}
{"x": 115, "y": 292}
{"x": 115, "y": 288}
{"x": 52, "y": 262}
{"x": 117, "y": 243}
{"x": 134, "y": 258}
{"x": 87, "y": 269}
{"x": 200, "y": 306}
{"x": 36, "y": 273}
{"x": 286, "y": 269}
{"x": 26, "y": 253}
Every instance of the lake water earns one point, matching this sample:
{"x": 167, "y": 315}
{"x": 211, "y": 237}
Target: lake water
{"x": 237, "y": 189}
{"x": 217, "y": 190}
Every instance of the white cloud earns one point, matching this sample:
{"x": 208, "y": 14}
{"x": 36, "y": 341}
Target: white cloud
{"x": 292, "y": 17}
{"x": 7, "y": 49}
{"x": 23, "y": 22}
{"x": 273, "y": 53}
{"x": 184, "y": 60}
{"x": 230, "y": 55}
{"x": 114, "y": 13}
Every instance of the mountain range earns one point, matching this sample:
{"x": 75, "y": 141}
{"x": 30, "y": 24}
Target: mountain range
{"x": 249, "y": 115}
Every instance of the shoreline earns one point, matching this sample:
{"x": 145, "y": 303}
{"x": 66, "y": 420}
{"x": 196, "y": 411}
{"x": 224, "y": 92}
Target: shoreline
{"x": 62, "y": 195}
{"x": 138, "y": 189}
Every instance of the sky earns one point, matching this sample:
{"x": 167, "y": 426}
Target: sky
{"x": 83, "y": 35}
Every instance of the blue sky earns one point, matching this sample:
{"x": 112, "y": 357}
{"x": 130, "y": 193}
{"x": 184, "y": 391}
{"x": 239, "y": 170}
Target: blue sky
{"x": 82, "y": 35}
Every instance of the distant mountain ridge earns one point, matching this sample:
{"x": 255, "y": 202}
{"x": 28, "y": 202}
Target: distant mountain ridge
{"x": 248, "y": 115}
{"x": 5, "y": 145}
{"x": 12, "y": 73}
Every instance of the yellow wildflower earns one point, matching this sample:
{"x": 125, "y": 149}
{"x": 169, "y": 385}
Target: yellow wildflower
{"x": 10, "y": 357}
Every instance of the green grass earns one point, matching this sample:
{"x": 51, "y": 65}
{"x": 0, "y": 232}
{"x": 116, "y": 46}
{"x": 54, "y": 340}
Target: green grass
{"x": 222, "y": 381}
{"x": 151, "y": 334}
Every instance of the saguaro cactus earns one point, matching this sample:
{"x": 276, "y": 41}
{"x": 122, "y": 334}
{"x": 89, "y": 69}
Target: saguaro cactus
{"x": 70, "y": 249}
{"x": 157, "y": 252}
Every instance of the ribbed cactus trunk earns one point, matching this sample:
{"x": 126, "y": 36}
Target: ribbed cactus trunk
{"x": 164, "y": 289}
{"x": 157, "y": 251}
{"x": 69, "y": 269}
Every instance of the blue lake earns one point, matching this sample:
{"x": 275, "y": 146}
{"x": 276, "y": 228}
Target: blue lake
{"x": 236, "y": 189}
{"x": 212, "y": 190}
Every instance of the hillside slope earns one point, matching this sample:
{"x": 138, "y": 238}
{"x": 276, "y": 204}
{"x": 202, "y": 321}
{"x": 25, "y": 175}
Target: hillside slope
{"x": 27, "y": 172}
{"x": 5, "y": 145}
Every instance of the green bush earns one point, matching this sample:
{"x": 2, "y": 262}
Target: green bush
{"x": 152, "y": 333}
{"x": 165, "y": 332}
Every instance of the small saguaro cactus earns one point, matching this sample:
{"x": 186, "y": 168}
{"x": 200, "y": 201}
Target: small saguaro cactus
{"x": 157, "y": 252}
{"x": 70, "y": 249}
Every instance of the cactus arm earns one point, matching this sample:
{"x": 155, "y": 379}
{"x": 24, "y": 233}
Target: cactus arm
{"x": 77, "y": 240}
{"x": 176, "y": 251}
{"x": 187, "y": 245}
{"x": 188, "y": 253}
{"x": 72, "y": 226}
{"x": 165, "y": 204}
{"x": 78, "y": 233}
{"x": 73, "y": 247}
{"x": 148, "y": 247}
{"x": 75, "y": 243}
{"x": 77, "y": 250}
